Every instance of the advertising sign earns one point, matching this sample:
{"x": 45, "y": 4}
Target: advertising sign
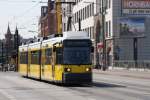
{"x": 132, "y": 27}
{"x": 136, "y": 7}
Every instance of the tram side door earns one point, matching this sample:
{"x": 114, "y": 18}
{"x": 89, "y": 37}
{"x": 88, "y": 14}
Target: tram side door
{"x": 28, "y": 63}
{"x": 53, "y": 61}
{"x": 42, "y": 62}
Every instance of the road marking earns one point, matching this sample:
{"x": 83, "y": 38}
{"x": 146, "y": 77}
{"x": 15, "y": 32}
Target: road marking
{"x": 91, "y": 99}
{"x": 7, "y": 95}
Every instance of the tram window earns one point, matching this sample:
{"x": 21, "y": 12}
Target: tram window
{"x": 35, "y": 57}
{"x": 78, "y": 43}
{"x": 48, "y": 54}
{"x": 59, "y": 56}
{"x": 23, "y": 57}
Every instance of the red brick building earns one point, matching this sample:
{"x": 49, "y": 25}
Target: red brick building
{"x": 48, "y": 20}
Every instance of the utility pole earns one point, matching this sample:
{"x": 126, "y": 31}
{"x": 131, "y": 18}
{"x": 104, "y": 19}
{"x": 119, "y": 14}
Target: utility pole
{"x": 103, "y": 12}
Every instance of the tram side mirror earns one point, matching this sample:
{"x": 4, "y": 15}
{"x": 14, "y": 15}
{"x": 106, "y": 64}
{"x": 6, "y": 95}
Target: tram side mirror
{"x": 92, "y": 49}
{"x": 54, "y": 48}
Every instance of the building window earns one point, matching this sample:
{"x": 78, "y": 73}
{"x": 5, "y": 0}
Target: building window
{"x": 79, "y": 15}
{"x": 109, "y": 28}
{"x": 92, "y": 10}
{"x": 83, "y": 14}
{"x": 88, "y": 11}
{"x": 109, "y": 4}
{"x": 100, "y": 5}
{"x": 106, "y": 29}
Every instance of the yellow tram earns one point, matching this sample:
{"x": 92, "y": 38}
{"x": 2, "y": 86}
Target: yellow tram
{"x": 64, "y": 59}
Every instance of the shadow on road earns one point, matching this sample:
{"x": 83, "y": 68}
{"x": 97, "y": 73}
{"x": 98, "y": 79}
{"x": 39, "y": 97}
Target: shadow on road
{"x": 94, "y": 84}
{"x": 106, "y": 85}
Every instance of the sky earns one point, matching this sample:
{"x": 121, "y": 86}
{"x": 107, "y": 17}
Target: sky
{"x": 21, "y": 13}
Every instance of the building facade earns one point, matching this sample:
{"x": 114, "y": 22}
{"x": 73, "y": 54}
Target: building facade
{"x": 127, "y": 30}
{"x": 125, "y": 25}
{"x": 48, "y": 20}
{"x": 67, "y": 15}
{"x": 44, "y": 21}
{"x": 85, "y": 11}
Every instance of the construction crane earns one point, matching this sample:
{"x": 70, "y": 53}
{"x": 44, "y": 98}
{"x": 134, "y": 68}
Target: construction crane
{"x": 59, "y": 16}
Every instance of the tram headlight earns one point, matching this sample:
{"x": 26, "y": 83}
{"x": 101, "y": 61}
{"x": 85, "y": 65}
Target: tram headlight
{"x": 67, "y": 69}
{"x": 88, "y": 69}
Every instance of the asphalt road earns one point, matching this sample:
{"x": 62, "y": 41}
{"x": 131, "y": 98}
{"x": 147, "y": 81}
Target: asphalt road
{"x": 110, "y": 85}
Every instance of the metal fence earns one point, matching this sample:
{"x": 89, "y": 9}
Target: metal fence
{"x": 132, "y": 64}
{"x": 7, "y": 67}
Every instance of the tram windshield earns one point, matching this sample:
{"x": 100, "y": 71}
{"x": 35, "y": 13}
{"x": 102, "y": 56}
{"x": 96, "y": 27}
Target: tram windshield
{"x": 79, "y": 53}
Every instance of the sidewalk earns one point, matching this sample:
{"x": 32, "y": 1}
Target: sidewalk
{"x": 125, "y": 73}
{"x": 130, "y": 69}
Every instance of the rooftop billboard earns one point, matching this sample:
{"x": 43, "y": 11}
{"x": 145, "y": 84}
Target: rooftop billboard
{"x": 132, "y": 27}
{"x": 136, "y": 7}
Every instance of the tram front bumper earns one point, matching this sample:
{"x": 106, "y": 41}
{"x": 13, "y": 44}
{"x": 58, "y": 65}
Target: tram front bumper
{"x": 77, "y": 78}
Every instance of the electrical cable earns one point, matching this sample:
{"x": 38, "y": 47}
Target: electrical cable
{"x": 19, "y": 16}
{"x": 23, "y": 14}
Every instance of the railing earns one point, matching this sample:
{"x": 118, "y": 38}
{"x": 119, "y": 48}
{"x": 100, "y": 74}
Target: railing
{"x": 7, "y": 67}
{"x": 132, "y": 64}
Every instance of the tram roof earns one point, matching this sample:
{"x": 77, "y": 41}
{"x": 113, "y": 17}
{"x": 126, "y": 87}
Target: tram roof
{"x": 23, "y": 48}
{"x": 71, "y": 35}
{"x": 75, "y": 35}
